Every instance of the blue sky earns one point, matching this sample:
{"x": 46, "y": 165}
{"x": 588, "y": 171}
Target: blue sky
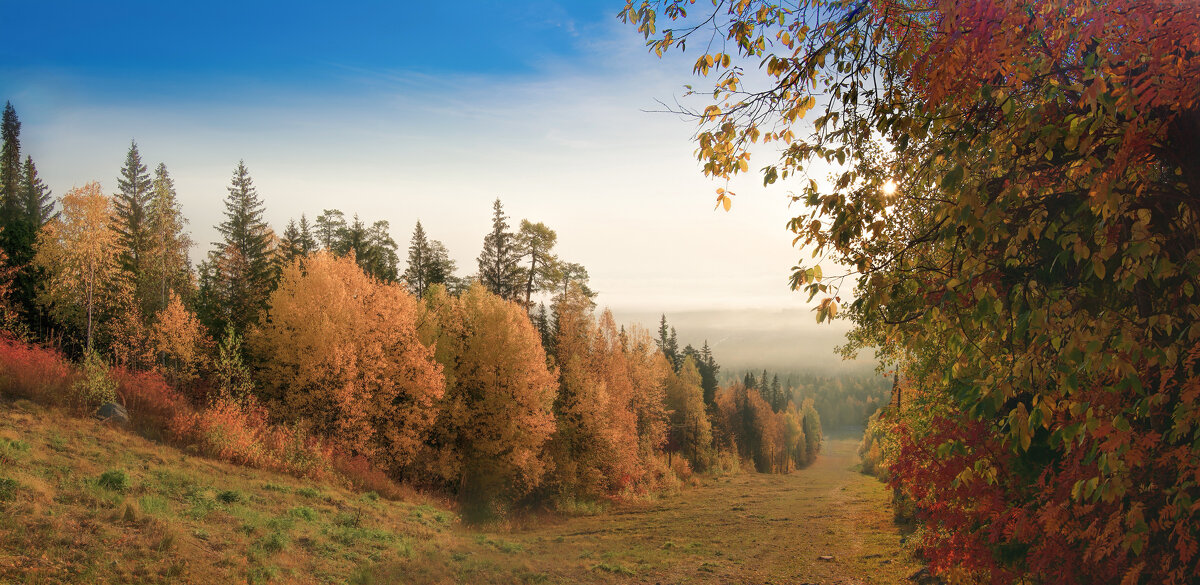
{"x": 407, "y": 111}
{"x": 172, "y": 47}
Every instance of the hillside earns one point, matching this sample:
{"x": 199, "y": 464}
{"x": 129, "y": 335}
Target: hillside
{"x": 95, "y": 504}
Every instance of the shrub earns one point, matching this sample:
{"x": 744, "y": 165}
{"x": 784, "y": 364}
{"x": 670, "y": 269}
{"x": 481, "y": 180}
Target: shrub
{"x": 239, "y": 432}
{"x": 152, "y": 403}
{"x": 114, "y": 480}
{"x": 34, "y": 373}
{"x": 95, "y": 387}
{"x": 8, "y": 489}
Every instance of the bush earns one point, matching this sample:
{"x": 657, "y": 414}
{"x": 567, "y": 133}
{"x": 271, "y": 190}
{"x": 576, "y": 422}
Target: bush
{"x": 8, "y": 489}
{"x": 94, "y": 387}
{"x": 114, "y": 480}
{"x": 152, "y": 403}
{"x": 239, "y": 432}
{"x": 35, "y": 373}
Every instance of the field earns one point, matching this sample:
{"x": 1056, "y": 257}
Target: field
{"x": 84, "y": 503}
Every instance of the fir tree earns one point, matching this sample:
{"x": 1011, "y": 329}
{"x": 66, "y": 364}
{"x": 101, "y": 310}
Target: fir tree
{"x": 241, "y": 264}
{"x": 416, "y": 275}
{"x": 36, "y": 199}
{"x": 10, "y": 168}
{"x": 289, "y": 244}
{"x": 307, "y": 242}
{"x": 498, "y": 262}
{"x": 708, "y": 373}
{"x": 130, "y": 222}
{"x": 169, "y": 266}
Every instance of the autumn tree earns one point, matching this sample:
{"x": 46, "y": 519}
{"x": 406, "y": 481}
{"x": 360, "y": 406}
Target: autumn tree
{"x": 499, "y": 268}
{"x": 179, "y": 342}
{"x": 341, "y": 351}
{"x": 78, "y": 251}
{"x": 691, "y": 431}
{"x": 649, "y": 374}
{"x": 496, "y": 415}
{"x": 1022, "y": 245}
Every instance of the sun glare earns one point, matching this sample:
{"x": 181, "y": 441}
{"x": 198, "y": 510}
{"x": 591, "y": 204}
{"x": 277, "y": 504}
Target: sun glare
{"x": 889, "y": 188}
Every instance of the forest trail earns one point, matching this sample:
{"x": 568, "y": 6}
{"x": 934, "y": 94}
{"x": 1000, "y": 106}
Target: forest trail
{"x": 745, "y": 529}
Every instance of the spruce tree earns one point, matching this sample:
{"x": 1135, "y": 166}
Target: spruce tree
{"x": 10, "y": 168}
{"x": 242, "y": 266}
{"x": 499, "y": 270}
{"x": 708, "y": 373}
{"x": 36, "y": 198}
{"x": 131, "y": 205}
{"x": 416, "y": 275}
{"x": 169, "y": 267}
{"x": 289, "y": 246}
{"x": 307, "y": 241}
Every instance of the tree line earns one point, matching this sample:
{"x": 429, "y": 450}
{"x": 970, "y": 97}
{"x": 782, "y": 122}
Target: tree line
{"x": 468, "y": 384}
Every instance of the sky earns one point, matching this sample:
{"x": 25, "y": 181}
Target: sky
{"x": 403, "y": 111}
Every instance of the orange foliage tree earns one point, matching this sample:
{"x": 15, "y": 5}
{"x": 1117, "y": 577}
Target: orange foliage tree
{"x": 496, "y": 414}
{"x": 180, "y": 342}
{"x": 691, "y": 430}
{"x": 340, "y": 349}
{"x": 595, "y": 444}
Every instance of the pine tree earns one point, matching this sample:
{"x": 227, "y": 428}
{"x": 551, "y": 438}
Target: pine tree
{"x": 330, "y": 225}
{"x": 416, "y": 275}
{"x": 379, "y": 258}
{"x": 241, "y": 265}
{"x": 536, "y": 242}
{"x": 17, "y": 235}
{"x": 36, "y": 199}
{"x": 289, "y": 245}
{"x": 10, "y": 168}
{"x": 131, "y": 205}
{"x": 498, "y": 262}
{"x": 708, "y": 374}
{"x": 307, "y": 242}
{"x": 169, "y": 267}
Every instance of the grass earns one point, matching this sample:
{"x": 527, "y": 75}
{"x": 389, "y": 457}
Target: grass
{"x": 84, "y": 495}
{"x": 90, "y": 503}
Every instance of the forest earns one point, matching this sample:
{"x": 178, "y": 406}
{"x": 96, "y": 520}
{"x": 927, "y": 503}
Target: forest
{"x": 314, "y": 354}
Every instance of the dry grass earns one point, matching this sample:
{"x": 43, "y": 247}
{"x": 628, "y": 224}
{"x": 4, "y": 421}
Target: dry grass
{"x": 160, "y": 515}
{"x": 164, "y": 516}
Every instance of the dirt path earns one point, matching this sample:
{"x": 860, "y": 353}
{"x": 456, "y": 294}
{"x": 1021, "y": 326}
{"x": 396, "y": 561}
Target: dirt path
{"x": 752, "y": 528}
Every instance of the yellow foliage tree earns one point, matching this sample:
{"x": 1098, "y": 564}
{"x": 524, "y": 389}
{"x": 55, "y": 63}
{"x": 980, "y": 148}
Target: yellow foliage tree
{"x": 78, "y": 251}
{"x": 340, "y": 349}
{"x": 691, "y": 431}
{"x": 496, "y": 415}
{"x": 179, "y": 341}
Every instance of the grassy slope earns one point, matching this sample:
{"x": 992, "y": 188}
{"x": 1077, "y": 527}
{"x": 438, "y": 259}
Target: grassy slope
{"x": 185, "y": 519}
{"x": 181, "y": 519}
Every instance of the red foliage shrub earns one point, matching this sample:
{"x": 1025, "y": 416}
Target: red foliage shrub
{"x": 239, "y": 432}
{"x": 35, "y": 373}
{"x": 364, "y": 476}
{"x": 151, "y": 401}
